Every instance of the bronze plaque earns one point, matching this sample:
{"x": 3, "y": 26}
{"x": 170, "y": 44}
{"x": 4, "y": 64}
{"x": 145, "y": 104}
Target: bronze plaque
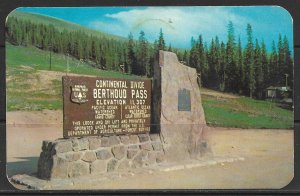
{"x": 184, "y": 100}
{"x": 105, "y": 106}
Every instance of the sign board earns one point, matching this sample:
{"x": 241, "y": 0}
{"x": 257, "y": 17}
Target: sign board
{"x": 105, "y": 106}
{"x": 184, "y": 100}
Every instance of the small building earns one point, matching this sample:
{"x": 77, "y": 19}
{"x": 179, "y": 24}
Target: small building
{"x": 278, "y": 93}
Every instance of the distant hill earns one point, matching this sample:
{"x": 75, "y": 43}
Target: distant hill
{"x": 60, "y": 24}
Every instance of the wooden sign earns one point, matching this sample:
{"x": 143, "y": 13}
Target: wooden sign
{"x": 105, "y": 106}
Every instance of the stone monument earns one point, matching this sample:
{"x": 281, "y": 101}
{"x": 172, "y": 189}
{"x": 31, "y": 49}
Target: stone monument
{"x": 177, "y": 109}
{"x": 117, "y": 124}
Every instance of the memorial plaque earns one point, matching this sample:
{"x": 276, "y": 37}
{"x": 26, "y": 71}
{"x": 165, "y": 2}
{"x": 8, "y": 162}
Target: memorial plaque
{"x": 184, "y": 100}
{"x": 104, "y": 106}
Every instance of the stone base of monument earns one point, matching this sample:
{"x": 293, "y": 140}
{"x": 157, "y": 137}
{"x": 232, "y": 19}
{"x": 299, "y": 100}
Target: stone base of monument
{"x": 69, "y": 158}
{"x": 74, "y": 157}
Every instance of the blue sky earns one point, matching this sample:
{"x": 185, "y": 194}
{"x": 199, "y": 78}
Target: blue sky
{"x": 179, "y": 24}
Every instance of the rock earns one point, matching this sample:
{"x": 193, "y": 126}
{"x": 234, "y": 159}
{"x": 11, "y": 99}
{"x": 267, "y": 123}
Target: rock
{"x": 131, "y": 153}
{"x": 146, "y": 146}
{"x": 205, "y": 149}
{"x": 80, "y": 144}
{"x": 140, "y": 159}
{"x": 143, "y": 137}
{"x": 111, "y": 165}
{"x": 94, "y": 143}
{"x": 60, "y": 168}
{"x": 45, "y": 165}
{"x": 157, "y": 146}
{"x": 103, "y": 154}
{"x": 118, "y": 152}
{"x": 170, "y": 71}
{"x": 125, "y": 139}
{"x": 134, "y": 147}
{"x": 73, "y": 156}
{"x": 47, "y": 145}
{"x": 62, "y": 146}
{"x": 31, "y": 182}
{"x": 104, "y": 142}
{"x": 89, "y": 156}
{"x": 78, "y": 168}
{"x": 154, "y": 137}
{"x": 152, "y": 157}
{"x": 160, "y": 157}
{"x": 98, "y": 166}
{"x": 178, "y": 111}
{"x": 114, "y": 140}
{"x": 133, "y": 139}
{"x": 124, "y": 165}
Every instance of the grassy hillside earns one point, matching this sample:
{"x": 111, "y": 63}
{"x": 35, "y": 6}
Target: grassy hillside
{"x": 60, "y": 24}
{"x": 32, "y": 86}
{"x": 243, "y": 112}
{"x": 39, "y": 60}
{"x": 30, "y": 83}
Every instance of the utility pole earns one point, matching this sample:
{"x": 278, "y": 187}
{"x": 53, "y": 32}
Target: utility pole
{"x": 50, "y": 48}
{"x": 68, "y": 63}
{"x": 122, "y": 68}
{"x": 286, "y": 81}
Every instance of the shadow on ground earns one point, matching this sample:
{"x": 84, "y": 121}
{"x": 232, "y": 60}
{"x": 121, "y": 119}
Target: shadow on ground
{"x": 25, "y": 165}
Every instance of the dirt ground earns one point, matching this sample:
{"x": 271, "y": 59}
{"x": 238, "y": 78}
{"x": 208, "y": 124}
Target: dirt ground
{"x": 209, "y": 92}
{"x": 268, "y": 157}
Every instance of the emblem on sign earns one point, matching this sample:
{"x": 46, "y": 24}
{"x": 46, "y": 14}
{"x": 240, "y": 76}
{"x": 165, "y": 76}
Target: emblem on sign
{"x": 79, "y": 94}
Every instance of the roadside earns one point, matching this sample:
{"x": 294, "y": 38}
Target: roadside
{"x": 268, "y": 158}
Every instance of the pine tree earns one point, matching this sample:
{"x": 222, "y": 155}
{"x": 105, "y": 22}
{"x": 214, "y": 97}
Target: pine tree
{"x": 258, "y": 72}
{"x": 202, "y": 68}
{"x": 288, "y": 62}
{"x": 240, "y": 67}
{"x": 231, "y": 69}
{"x": 194, "y": 55}
{"x": 273, "y": 66}
{"x": 143, "y": 67}
{"x": 161, "y": 41}
{"x": 281, "y": 64}
{"x": 213, "y": 61}
{"x": 222, "y": 67}
{"x": 170, "y": 48}
{"x": 179, "y": 54}
{"x": 217, "y": 62}
{"x": 265, "y": 66}
{"x": 185, "y": 57}
{"x": 249, "y": 63}
{"x": 131, "y": 59}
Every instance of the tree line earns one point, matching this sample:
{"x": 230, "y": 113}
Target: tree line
{"x": 246, "y": 71}
{"x": 103, "y": 52}
{"x": 224, "y": 66}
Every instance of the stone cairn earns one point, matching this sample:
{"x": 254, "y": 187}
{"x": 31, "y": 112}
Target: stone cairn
{"x": 74, "y": 157}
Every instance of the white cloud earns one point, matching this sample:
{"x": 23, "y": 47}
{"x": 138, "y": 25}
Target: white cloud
{"x": 179, "y": 24}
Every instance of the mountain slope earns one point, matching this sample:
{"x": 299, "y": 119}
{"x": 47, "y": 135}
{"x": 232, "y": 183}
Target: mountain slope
{"x": 60, "y": 24}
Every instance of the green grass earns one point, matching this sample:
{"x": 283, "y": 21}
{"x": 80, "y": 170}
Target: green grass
{"x": 21, "y": 95}
{"x": 17, "y": 56}
{"x": 22, "y": 65}
{"x": 244, "y": 112}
